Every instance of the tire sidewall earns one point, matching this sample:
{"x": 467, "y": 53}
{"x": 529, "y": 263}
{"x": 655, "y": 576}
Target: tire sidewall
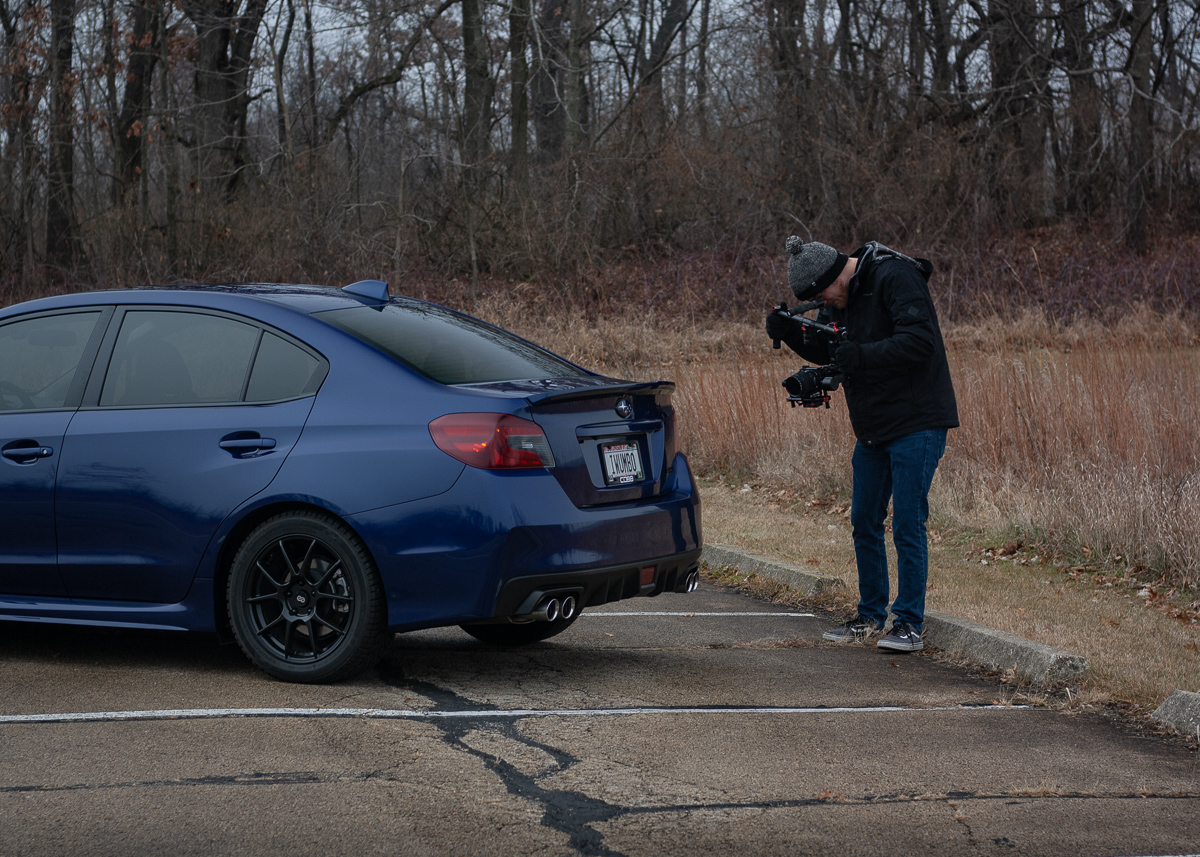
{"x": 368, "y": 618}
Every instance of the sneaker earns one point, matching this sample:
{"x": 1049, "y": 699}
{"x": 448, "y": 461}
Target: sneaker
{"x": 902, "y": 638}
{"x": 856, "y": 629}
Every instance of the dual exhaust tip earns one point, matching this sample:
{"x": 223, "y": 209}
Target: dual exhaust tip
{"x": 552, "y": 609}
{"x": 690, "y": 582}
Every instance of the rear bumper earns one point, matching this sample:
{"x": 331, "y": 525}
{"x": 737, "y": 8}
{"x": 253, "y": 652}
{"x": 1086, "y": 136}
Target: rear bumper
{"x": 480, "y": 550}
{"x": 596, "y": 586}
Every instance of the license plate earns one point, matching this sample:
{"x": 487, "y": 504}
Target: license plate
{"x": 622, "y": 463}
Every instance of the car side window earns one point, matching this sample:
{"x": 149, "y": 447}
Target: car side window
{"x": 282, "y": 371}
{"x": 38, "y": 359}
{"x": 178, "y": 358}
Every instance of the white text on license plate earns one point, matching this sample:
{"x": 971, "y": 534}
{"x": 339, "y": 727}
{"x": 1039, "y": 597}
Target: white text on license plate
{"x": 622, "y": 463}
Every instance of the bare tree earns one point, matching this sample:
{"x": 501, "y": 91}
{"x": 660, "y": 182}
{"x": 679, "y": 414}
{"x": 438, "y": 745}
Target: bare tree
{"x": 130, "y": 126}
{"x": 792, "y": 71}
{"x": 612, "y": 124}
{"x": 62, "y": 234}
{"x": 518, "y": 32}
{"x": 1140, "y": 117}
{"x": 225, "y": 35}
{"x": 478, "y": 87}
{"x": 675, "y": 16}
{"x": 549, "y": 81}
{"x": 1085, "y": 144}
{"x": 1017, "y": 88}
{"x": 18, "y": 107}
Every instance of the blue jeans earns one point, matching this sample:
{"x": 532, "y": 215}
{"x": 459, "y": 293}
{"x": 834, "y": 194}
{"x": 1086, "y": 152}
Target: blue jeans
{"x": 900, "y": 470}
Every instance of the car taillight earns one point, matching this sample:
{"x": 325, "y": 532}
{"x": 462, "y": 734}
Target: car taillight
{"x": 492, "y": 441}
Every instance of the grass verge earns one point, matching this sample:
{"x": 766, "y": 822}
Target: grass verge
{"x": 1139, "y": 653}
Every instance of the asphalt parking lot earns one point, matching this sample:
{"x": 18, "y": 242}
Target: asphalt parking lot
{"x": 681, "y": 724}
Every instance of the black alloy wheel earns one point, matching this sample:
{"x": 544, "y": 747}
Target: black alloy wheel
{"x": 305, "y": 600}
{"x": 522, "y": 634}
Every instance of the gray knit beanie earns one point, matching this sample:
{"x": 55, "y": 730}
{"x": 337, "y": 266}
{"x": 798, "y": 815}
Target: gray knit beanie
{"x": 812, "y": 267}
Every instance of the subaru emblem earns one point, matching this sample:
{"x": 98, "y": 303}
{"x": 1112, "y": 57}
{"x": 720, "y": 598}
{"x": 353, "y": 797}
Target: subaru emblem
{"x": 624, "y": 409}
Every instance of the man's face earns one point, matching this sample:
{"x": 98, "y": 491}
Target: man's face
{"x": 837, "y": 293}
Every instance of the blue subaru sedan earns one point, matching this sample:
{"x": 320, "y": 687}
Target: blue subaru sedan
{"x": 311, "y": 470}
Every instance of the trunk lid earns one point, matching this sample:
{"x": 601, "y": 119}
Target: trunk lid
{"x": 613, "y": 441}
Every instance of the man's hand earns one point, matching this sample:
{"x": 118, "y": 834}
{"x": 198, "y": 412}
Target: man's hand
{"x": 848, "y": 357}
{"x": 783, "y": 327}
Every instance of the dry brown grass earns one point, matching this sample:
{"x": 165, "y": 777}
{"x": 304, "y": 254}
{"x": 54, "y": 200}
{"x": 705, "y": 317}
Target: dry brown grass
{"x": 1093, "y": 448}
{"x": 1083, "y": 437}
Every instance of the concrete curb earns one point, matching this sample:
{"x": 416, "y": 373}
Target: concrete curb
{"x": 800, "y": 579}
{"x": 1038, "y": 664}
{"x": 1181, "y": 711}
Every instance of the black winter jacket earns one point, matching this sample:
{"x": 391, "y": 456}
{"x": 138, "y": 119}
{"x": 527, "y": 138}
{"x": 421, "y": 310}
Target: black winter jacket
{"x": 903, "y": 385}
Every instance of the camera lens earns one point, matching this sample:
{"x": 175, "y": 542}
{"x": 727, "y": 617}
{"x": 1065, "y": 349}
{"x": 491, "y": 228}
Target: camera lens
{"x": 802, "y": 383}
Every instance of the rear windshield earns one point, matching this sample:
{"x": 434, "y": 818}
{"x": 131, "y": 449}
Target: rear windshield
{"x": 448, "y": 347}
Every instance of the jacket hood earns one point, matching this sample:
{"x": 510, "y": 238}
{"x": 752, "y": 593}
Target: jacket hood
{"x": 872, "y": 253}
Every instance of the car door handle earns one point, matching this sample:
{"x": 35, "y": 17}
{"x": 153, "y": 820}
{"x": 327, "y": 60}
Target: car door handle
{"x": 247, "y": 444}
{"x": 24, "y": 453}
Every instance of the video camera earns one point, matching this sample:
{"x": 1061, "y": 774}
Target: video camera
{"x": 811, "y": 386}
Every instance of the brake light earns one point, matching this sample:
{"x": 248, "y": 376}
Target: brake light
{"x": 492, "y": 441}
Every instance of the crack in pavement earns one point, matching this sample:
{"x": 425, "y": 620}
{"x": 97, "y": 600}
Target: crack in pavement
{"x": 961, "y": 819}
{"x": 573, "y": 813}
{"x": 569, "y": 812}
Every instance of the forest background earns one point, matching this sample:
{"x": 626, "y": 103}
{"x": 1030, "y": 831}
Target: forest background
{"x": 615, "y": 179}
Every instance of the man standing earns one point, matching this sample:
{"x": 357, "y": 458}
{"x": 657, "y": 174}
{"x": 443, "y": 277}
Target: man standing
{"x": 901, "y": 402}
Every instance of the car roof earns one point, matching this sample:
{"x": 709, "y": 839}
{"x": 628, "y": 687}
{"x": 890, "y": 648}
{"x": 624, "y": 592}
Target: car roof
{"x": 303, "y": 298}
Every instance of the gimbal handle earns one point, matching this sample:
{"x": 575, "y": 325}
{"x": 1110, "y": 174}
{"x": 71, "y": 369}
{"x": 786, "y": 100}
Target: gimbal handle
{"x": 782, "y": 307}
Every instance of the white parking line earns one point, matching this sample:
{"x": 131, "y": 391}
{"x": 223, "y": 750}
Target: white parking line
{"x": 412, "y": 714}
{"x": 680, "y": 613}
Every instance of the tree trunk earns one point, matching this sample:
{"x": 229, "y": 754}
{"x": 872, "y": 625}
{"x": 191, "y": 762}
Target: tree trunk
{"x": 224, "y": 46}
{"x": 1017, "y": 134}
{"x": 702, "y": 69}
{"x": 651, "y": 76}
{"x": 940, "y": 21}
{"x": 1140, "y": 142}
{"x": 576, "y": 90}
{"x": 310, "y": 82}
{"x": 518, "y": 29}
{"x": 848, "y": 66}
{"x": 549, "y": 78}
{"x": 170, "y": 150}
{"x": 1085, "y": 143}
{"x": 791, "y": 67}
{"x": 61, "y": 228}
{"x": 284, "y": 117}
{"x": 477, "y": 89}
{"x": 16, "y": 144}
{"x": 135, "y": 106}
{"x": 916, "y": 51}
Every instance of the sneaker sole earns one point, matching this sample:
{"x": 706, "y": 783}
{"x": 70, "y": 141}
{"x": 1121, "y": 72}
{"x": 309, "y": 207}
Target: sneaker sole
{"x": 900, "y": 647}
{"x": 839, "y": 638}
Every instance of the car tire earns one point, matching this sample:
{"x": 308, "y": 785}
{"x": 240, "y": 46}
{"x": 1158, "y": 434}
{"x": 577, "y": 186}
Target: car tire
{"x": 305, "y": 600}
{"x": 519, "y": 635}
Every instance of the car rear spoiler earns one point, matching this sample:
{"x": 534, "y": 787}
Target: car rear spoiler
{"x": 616, "y": 388}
